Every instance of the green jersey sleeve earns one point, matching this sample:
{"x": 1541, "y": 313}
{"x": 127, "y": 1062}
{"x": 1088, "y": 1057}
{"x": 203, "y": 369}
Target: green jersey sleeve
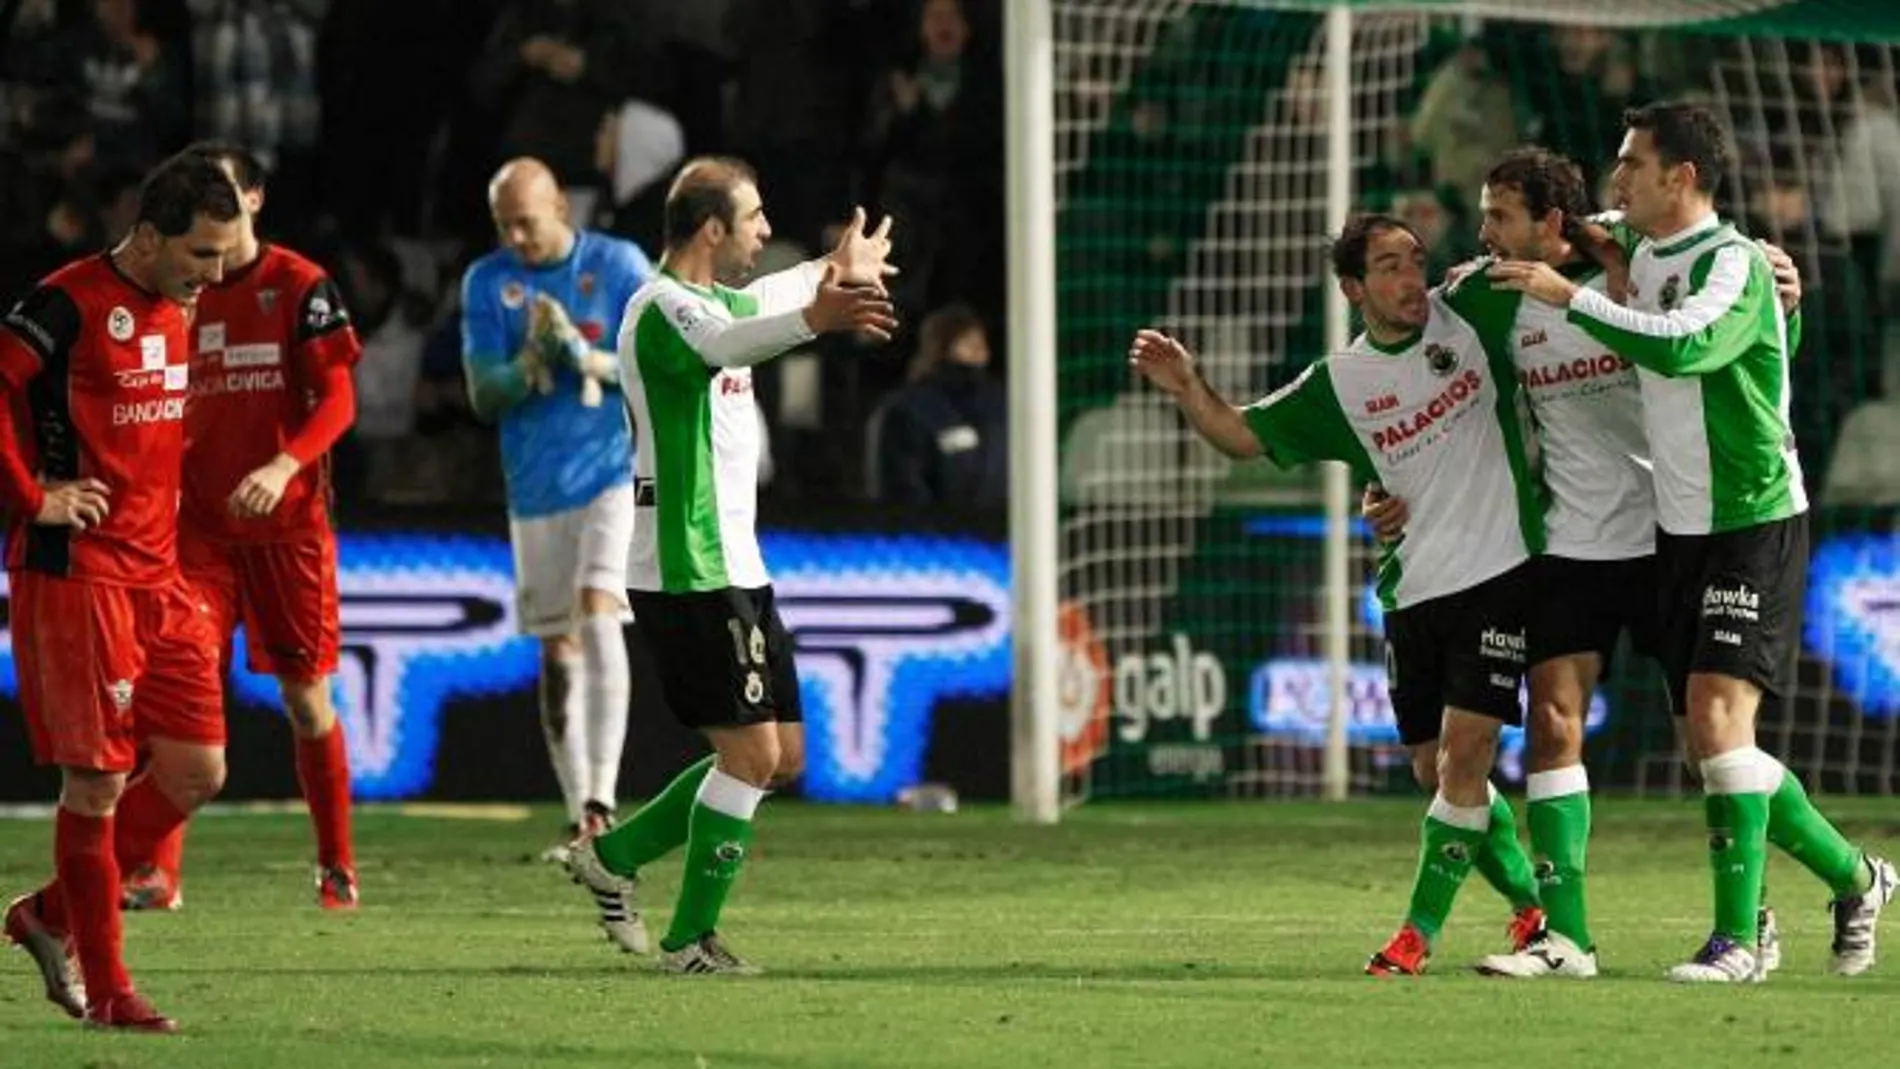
{"x": 1729, "y": 304}
{"x": 1302, "y": 422}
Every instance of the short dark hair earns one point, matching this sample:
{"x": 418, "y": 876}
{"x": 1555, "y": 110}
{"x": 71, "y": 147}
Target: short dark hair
{"x": 1687, "y": 133}
{"x": 183, "y": 188}
{"x": 250, "y": 172}
{"x": 1544, "y": 179}
{"x": 1349, "y": 249}
{"x": 703, "y": 191}
{"x": 938, "y": 334}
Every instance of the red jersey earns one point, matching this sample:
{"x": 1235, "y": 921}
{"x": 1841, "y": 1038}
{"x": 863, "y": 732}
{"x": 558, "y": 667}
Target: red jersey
{"x": 273, "y": 346}
{"x": 98, "y": 369}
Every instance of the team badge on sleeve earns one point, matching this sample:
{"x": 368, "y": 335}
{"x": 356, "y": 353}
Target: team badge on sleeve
{"x": 513, "y": 295}
{"x": 323, "y": 310}
{"x": 1671, "y": 292}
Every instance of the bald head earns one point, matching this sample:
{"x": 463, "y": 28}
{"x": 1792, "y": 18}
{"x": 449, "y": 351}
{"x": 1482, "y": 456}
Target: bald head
{"x": 530, "y": 211}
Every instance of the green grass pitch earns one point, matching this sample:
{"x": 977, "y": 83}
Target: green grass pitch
{"x": 1151, "y": 935}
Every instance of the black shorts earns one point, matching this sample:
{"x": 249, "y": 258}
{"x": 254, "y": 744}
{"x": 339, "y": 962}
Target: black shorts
{"x": 1463, "y": 650}
{"x": 1581, "y": 606}
{"x": 1731, "y": 603}
{"x": 723, "y": 657}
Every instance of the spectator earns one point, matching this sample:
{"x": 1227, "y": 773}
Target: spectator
{"x": 1863, "y": 201}
{"x": 552, "y": 72}
{"x": 936, "y": 164}
{"x": 134, "y": 88}
{"x": 1465, "y": 120}
{"x": 390, "y": 370}
{"x": 944, "y": 438}
{"x": 1866, "y": 466}
{"x": 1584, "y": 78}
{"x": 793, "y": 115}
{"x": 255, "y": 79}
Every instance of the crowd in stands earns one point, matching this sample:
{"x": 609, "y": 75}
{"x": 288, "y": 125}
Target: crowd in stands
{"x": 382, "y": 123}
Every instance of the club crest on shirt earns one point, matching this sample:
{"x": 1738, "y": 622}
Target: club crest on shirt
{"x": 585, "y": 283}
{"x": 266, "y": 301}
{"x": 119, "y": 323}
{"x": 1442, "y": 359}
{"x": 513, "y": 295}
{"x": 1670, "y": 293}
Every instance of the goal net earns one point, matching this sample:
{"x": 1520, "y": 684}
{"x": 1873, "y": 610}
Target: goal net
{"x": 1191, "y": 186}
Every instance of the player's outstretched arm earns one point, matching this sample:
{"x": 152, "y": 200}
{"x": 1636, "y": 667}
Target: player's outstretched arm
{"x": 1707, "y": 330}
{"x": 1168, "y": 365}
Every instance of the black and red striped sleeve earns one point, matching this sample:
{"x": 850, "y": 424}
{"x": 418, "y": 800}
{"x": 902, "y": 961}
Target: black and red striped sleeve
{"x": 37, "y": 333}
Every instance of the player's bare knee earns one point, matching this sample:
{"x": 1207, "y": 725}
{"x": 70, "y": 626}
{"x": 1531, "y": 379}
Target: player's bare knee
{"x": 1556, "y": 736}
{"x": 189, "y": 775}
{"x": 1425, "y": 767}
{"x": 90, "y": 792}
{"x": 307, "y": 703}
{"x": 1465, "y": 755}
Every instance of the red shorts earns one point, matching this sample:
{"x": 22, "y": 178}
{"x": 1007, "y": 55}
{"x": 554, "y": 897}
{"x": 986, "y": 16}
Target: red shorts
{"x": 283, "y": 592}
{"x": 104, "y": 668}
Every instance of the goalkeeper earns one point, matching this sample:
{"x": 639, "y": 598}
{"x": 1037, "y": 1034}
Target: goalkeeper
{"x": 534, "y": 313}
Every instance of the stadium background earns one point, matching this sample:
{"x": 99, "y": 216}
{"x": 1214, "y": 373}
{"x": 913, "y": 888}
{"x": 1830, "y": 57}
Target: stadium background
{"x": 1192, "y": 614}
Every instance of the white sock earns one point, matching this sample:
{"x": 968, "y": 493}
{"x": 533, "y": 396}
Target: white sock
{"x": 1469, "y": 817}
{"x": 608, "y": 691}
{"x": 565, "y": 728}
{"x": 728, "y": 794}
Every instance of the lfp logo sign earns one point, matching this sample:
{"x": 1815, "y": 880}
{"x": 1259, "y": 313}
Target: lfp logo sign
{"x": 1853, "y": 618}
{"x": 884, "y": 628}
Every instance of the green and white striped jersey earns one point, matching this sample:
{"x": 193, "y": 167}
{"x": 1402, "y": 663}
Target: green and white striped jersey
{"x": 1705, "y": 328}
{"x": 1588, "y": 409}
{"x": 686, "y": 358}
{"x": 1437, "y": 422}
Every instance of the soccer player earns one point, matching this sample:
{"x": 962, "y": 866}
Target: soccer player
{"x": 688, "y": 344}
{"x": 271, "y": 392}
{"x": 534, "y": 314}
{"x": 1711, "y": 345}
{"x": 1424, "y": 403}
{"x": 1597, "y": 573}
{"x": 116, "y": 653}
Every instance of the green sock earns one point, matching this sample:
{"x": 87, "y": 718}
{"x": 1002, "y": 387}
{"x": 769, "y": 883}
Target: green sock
{"x": 1503, "y": 862}
{"x": 1738, "y": 854}
{"x": 658, "y": 827}
{"x": 1808, "y": 837}
{"x": 1560, "y": 837}
{"x": 715, "y": 850}
{"x": 1445, "y": 856}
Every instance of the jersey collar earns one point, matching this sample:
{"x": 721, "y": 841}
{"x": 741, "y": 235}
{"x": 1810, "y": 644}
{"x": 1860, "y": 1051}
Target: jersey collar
{"x": 1396, "y": 348}
{"x": 1688, "y": 237}
{"x": 703, "y": 291}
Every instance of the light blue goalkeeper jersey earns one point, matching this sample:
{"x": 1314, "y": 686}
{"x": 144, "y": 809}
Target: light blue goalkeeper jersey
{"x": 558, "y": 453}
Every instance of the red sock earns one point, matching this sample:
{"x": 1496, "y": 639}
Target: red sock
{"x": 89, "y": 883}
{"x": 145, "y": 818}
{"x": 169, "y": 855}
{"x": 323, "y": 768}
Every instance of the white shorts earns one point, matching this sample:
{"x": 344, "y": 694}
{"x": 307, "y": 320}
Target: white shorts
{"x": 558, "y": 556}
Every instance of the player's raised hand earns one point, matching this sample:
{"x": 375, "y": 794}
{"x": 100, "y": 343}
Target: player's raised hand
{"x": 840, "y": 308}
{"x": 261, "y": 490}
{"x": 863, "y": 259}
{"x": 1385, "y": 514}
{"x": 79, "y": 504}
{"x": 1162, "y": 361}
{"x": 1533, "y": 279}
{"x": 1787, "y": 276}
